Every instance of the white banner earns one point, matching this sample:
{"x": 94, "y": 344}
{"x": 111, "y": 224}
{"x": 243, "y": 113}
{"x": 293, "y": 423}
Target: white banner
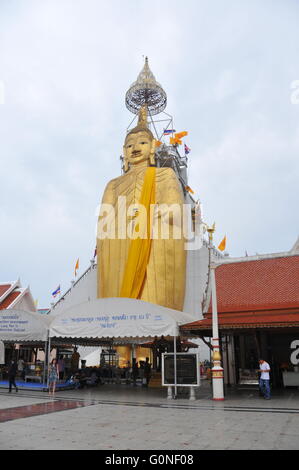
{"x": 18, "y": 326}
{"x": 117, "y": 318}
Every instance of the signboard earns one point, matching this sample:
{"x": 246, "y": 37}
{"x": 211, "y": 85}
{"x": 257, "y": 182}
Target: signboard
{"x": 18, "y": 325}
{"x": 187, "y": 370}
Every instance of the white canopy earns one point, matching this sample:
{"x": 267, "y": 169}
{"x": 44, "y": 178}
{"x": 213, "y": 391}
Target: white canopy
{"x": 19, "y": 326}
{"x": 128, "y": 319}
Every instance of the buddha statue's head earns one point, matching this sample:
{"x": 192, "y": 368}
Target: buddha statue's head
{"x": 140, "y": 144}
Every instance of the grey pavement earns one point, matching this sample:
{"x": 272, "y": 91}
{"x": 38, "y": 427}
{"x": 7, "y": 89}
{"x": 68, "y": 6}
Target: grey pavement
{"x": 118, "y": 417}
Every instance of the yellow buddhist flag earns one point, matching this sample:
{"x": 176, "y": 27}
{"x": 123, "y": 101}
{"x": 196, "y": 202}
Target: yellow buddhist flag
{"x": 175, "y": 141}
{"x": 77, "y": 267}
{"x": 158, "y": 143}
{"x": 36, "y": 303}
{"x": 222, "y": 244}
{"x": 189, "y": 189}
{"x": 180, "y": 135}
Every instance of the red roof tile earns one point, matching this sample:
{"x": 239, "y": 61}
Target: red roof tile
{"x": 266, "y": 319}
{"x": 4, "y": 288}
{"x": 252, "y": 294}
{"x": 9, "y": 299}
{"x": 264, "y": 284}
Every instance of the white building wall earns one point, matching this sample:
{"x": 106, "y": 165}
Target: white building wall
{"x": 85, "y": 289}
{"x": 196, "y": 281}
{"x": 25, "y": 303}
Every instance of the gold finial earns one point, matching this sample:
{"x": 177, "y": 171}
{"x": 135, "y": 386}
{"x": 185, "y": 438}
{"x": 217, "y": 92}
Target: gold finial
{"x": 210, "y": 231}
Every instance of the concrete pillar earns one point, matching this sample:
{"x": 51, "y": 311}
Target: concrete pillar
{"x": 192, "y": 394}
{"x": 169, "y": 393}
{"x": 217, "y": 370}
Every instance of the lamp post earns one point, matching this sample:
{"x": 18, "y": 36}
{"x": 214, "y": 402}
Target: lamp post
{"x": 217, "y": 370}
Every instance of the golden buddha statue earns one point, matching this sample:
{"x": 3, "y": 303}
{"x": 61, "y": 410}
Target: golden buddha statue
{"x": 131, "y": 261}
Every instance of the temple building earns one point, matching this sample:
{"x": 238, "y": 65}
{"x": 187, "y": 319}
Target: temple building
{"x": 258, "y": 316}
{"x": 13, "y": 295}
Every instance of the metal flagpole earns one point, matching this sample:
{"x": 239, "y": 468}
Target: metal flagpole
{"x": 48, "y": 361}
{"x": 45, "y": 358}
{"x": 175, "y": 364}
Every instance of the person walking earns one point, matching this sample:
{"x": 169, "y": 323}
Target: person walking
{"x": 12, "y": 372}
{"x": 135, "y": 371}
{"x": 53, "y": 376}
{"x": 264, "y": 381}
{"x": 147, "y": 371}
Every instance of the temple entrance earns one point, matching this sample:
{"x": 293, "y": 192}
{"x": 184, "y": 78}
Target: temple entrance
{"x": 279, "y": 347}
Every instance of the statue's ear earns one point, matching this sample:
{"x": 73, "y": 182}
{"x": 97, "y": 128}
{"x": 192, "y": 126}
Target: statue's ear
{"x": 126, "y": 163}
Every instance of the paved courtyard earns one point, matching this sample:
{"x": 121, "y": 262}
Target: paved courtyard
{"x": 114, "y": 417}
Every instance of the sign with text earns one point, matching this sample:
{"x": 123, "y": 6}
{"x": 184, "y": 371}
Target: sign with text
{"x": 187, "y": 370}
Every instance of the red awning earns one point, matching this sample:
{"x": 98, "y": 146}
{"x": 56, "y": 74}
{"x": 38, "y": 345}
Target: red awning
{"x": 240, "y": 320}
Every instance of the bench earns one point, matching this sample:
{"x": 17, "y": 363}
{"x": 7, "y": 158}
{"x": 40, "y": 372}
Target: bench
{"x": 33, "y": 377}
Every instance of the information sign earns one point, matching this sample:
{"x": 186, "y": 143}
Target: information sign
{"x": 187, "y": 369}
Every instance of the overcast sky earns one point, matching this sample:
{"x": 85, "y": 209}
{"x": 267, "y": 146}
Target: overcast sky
{"x": 227, "y": 67}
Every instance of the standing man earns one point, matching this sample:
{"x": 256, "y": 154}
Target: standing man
{"x": 12, "y": 372}
{"x": 61, "y": 367}
{"x": 147, "y": 371}
{"x": 75, "y": 360}
{"x": 265, "y": 378}
{"x": 135, "y": 371}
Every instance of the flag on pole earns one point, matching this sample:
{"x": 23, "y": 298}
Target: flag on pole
{"x": 187, "y": 149}
{"x": 36, "y": 303}
{"x": 175, "y": 141}
{"x": 77, "y": 267}
{"x": 189, "y": 189}
{"x": 180, "y": 135}
{"x": 56, "y": 292}
{"x": 222, "y": 244}
{"x": 169, "y": 131}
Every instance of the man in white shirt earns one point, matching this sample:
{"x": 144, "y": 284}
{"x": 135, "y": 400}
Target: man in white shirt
{"x": 265, "y": 378}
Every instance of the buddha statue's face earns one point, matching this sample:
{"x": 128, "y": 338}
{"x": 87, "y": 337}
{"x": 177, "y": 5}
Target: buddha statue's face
{"x": 138, "y": 147}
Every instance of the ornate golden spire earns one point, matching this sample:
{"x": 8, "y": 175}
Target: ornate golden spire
{"x": 146, "y": 91}
{"x": 142, "y": 122}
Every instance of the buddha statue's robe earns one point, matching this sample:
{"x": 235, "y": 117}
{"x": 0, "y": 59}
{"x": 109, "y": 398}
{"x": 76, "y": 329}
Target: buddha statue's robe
{"x": 164, "y": 282}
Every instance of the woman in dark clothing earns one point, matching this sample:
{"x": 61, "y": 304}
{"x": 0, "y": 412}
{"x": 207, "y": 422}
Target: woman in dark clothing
{"x": 135, "y": 371}
{"x": 12, "y": 372}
